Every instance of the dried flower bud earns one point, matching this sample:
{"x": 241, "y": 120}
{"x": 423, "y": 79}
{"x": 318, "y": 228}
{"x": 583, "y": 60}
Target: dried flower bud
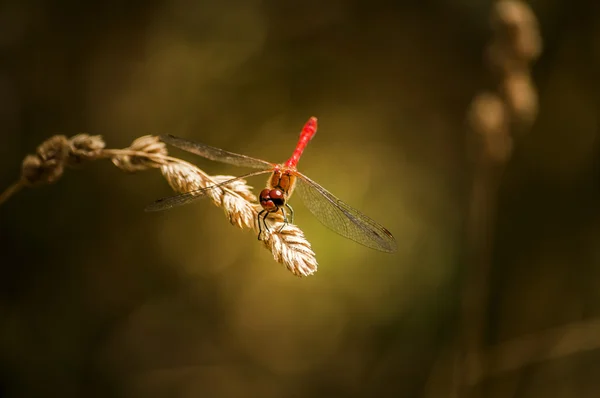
{"x": 148, "y": 144}
{"x": 31, "y": 169}
{"x": 84, "y": 147}
{"x": 53, "y": 150}
{"x": 48, "y": 165}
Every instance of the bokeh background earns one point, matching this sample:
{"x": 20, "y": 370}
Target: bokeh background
{"x": 99, "y": 299}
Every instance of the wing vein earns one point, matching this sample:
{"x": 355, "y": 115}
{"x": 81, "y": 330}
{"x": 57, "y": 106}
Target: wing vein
{"x": 191, "y": 196}
{"x": 216, "y": 154}
{"x": 342, "y": 218}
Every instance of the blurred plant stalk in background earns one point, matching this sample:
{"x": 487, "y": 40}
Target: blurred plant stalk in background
{"x": 496, "y": 119}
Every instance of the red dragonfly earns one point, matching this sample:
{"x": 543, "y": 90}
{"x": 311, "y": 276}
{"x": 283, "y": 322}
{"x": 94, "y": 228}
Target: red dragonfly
{"x": 331, "y": 211}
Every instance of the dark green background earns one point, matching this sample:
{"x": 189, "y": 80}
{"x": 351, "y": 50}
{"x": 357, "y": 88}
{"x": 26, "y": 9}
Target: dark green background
{"x": 99, "y": 299}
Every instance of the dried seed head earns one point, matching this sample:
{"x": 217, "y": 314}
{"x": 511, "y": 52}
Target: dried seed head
{"x": 238, "y": 210}
{"x": 149, "y": 145}
{"x": 184, "y": 177}
{"x": 84, "y": 147}
{"x": 233, "y": 198}
{"x": 47, "y": 166}
{"x": 290, "y": 248}
{"x": 238, "y": 186}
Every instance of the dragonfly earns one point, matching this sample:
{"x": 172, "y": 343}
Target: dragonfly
{"x": 283, "y": 181}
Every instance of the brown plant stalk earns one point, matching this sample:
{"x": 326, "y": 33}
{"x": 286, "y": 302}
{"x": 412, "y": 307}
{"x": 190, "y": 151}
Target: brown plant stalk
{"x": 53, "y": 156}
{"x": 495, "y": 118}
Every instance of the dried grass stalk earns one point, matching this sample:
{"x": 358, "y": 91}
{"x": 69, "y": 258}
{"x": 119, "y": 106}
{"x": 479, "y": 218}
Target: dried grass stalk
{"x": 288, "y": 244}
{"x": 496, "y": 118}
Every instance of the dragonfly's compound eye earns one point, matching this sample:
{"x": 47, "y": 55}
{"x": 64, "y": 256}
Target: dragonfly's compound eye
{"x": 264, "y": 195}
{"x": 265, "y": 200}
{"x": 276, "y": 195}
{"x": 268, "y": 204}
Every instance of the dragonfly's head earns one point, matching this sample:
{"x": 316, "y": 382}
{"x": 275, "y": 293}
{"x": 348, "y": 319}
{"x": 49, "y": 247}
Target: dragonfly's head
{"x": 271, "y": 199}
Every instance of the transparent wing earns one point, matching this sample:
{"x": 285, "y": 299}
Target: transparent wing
{"x": 212, "y": 153}
{"x": 188, "y": 197}
{"x": 343, "y": 219}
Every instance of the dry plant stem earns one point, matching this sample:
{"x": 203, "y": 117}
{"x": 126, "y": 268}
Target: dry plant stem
{"x": 480, "y": 223}
{"x": 285, "y": 241}
{"x": 492, "y": 118}
{"x": 159, "y": 159}
{"x": 10, "y": 191}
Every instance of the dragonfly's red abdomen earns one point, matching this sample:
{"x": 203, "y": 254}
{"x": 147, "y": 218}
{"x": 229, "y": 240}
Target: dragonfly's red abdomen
{"x": 308, "y": 132}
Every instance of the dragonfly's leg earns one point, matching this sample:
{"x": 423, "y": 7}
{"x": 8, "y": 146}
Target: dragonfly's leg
{"x": 291, "y": 212}
{"x": 285, "y": 219}
{"x": 265, "y": 220}
{"x": 258, "y": 221}
{"x": 264, "y": 223}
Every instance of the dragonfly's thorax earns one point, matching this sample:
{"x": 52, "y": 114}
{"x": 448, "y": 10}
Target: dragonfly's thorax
{"x": 284, "y": 179}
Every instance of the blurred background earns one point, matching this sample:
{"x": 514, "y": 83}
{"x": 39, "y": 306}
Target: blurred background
{"x": 99, "y": 299}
